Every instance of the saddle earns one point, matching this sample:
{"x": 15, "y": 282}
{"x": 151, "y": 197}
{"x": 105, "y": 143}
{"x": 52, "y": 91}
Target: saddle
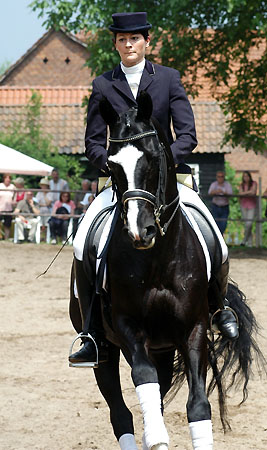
{"x": 92, "y": 242}
{"x": 210, "y": 238}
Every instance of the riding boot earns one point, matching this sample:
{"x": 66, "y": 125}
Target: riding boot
{"x": 224, "y": 317}
{"x": 90, "y": 309}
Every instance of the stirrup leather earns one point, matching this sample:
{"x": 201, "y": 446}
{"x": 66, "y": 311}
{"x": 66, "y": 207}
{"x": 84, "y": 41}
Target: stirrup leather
{"x": 92, "y": 364}
{"x": 213, "y": 327}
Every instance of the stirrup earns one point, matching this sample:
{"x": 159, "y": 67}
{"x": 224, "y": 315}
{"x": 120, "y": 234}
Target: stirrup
{"x": 213, "y": 327}
{"x": 92, "y": 364}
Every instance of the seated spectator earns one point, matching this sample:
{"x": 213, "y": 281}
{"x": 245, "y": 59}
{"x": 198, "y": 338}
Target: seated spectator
{"x": 94, "y": 185}
{"x": 6, "y": 203}
{"x": 19, "y": 183}
{"x": 44, "y": 199}
{"x": 59, "y": 222}
{"x": 80, "y": 208}
{"x": 57, "y": 184}
{"x": 220, "y": 190}
{"x": 90, "y": 196}
{"x": 27, "y": 220}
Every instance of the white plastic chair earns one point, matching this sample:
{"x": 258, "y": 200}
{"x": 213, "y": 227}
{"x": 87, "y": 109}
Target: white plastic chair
{"x": 37, "y": 234}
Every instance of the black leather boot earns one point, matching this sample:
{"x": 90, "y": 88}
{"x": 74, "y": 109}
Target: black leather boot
{"x": 88, "y": 352}
{"x": 226, "y": 322}
{"x": 90, "y": 309}
{"x": 223, "y": 318}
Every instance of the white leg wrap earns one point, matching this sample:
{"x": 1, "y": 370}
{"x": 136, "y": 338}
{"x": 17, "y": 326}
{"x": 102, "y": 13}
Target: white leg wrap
{"x": 144, "y": 447}
{"x": 160, "y": 447}
{"x": 201, "y": 435}
{"x": 155, "y": 432}
{"x": 127, "y": 442}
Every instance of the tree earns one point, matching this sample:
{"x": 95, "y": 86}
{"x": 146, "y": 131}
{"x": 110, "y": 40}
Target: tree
{"x": 216, "y": 36}
{"x": 4, "y": 66}
{"x": 26, "y": 135}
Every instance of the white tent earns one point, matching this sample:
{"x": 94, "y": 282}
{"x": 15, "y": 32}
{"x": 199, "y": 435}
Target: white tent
{"x": 12, "y": 161}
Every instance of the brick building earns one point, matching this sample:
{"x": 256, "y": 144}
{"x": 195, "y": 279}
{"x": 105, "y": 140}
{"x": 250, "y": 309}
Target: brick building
{"x": 57, "y": 59}
{"x": 55, "y": 67}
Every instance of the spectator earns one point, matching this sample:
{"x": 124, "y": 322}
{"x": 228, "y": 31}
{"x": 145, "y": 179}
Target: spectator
{"x": 27, "y": 220}
{"x": 221, "y": 190}
{"x": 248, "y": 205}
{"x": 94, "y": 184}
{"x": 6, "y": 203}
{"x": 57, "y": 184}
{"x": 44, "y": 199}
{"x": 19, "y": 183}
{"x": 80, "y": 208}
{"x": 59, "y": 222}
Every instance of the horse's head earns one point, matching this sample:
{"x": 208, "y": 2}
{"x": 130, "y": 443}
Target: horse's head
{"x": 139, "y": 164}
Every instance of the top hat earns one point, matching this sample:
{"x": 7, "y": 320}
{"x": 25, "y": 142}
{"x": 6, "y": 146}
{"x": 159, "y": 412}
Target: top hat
{"x": 127, "y": 22}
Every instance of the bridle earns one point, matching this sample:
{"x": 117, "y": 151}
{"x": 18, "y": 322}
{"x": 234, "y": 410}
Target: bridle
{"x": 157, "y": 200}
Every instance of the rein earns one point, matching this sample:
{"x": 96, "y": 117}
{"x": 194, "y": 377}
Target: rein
{"x": 135, "y": 137}
{"x": 158, "y": 200}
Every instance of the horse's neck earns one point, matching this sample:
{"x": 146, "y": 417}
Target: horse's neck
{"x": 171, "y": 188}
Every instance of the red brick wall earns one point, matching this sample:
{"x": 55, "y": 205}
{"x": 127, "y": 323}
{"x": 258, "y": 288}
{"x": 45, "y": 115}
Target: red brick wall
{"x": 56, "y": 72}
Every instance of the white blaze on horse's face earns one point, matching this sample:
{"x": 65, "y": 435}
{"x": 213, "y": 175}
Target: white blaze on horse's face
{"x": 127, "y": 158}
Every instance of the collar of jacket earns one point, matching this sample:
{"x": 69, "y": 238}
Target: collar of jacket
{"x": 120, "y": 82}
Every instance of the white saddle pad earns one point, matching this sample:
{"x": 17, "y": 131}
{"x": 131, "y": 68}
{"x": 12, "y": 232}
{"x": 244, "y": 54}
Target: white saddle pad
{"x": 190, "y": 220}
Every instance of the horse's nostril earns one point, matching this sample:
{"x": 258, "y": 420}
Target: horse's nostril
{"x": 150, "y": 231}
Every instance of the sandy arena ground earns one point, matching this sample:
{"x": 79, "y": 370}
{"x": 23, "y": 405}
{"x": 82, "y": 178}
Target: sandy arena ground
{"x": 47, "y": 405}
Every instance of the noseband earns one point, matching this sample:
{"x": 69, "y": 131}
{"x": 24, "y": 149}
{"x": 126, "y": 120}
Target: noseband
{"x": 158, "y": 200}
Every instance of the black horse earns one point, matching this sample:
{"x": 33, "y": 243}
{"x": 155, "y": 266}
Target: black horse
{"x": 158, "y": 315}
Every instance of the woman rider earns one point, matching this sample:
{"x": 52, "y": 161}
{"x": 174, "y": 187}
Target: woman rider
{"x": 121, "y": 87}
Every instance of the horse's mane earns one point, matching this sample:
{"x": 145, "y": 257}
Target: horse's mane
{"x": 163, "y": 139}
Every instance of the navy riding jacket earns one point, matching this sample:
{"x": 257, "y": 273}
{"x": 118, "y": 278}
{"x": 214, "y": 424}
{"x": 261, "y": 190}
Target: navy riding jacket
{"x": 169, "y": 103}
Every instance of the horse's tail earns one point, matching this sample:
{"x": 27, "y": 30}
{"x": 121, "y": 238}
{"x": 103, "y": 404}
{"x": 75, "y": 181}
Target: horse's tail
{"x": 231, "y": 362}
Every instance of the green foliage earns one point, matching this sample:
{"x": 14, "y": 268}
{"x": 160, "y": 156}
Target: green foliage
{"x": 213, "y": 35}
{"x": 4, "y": 66}
{"x": 26, "y": 136}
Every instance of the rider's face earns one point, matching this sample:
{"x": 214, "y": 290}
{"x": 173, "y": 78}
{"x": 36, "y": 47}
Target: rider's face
{"x": 131, "y": 47}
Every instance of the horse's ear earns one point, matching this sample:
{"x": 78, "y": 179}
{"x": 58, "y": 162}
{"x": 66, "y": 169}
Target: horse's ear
{"x": 107, "y": 111}
{"x": 145, "y": 106}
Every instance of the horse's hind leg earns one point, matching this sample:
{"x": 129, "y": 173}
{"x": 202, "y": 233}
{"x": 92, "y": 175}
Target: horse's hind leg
{"x": 164, "y": 366}
{"x": 198, "y": 407}
{"x": 108, "y": 380}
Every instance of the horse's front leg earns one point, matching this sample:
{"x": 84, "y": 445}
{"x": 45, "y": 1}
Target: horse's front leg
{"x": 145, "y": 378}
{"x": 198, "y": 407}
{"x": 108, "y": 379}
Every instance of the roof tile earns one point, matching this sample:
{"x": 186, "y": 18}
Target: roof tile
{"x": 19, "y": 95}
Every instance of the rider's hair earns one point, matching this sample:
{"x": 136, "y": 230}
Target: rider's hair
{"x": 144, "y": 33}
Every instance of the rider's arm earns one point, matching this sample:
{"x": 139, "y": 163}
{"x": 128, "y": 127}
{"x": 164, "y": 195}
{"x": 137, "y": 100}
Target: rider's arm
{"x": 182, "y": 119}
{"x": 96, "y": 131}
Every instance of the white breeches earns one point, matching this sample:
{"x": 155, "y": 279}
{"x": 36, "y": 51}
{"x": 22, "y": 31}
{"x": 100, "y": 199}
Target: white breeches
{"x": 104, "y": 199}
